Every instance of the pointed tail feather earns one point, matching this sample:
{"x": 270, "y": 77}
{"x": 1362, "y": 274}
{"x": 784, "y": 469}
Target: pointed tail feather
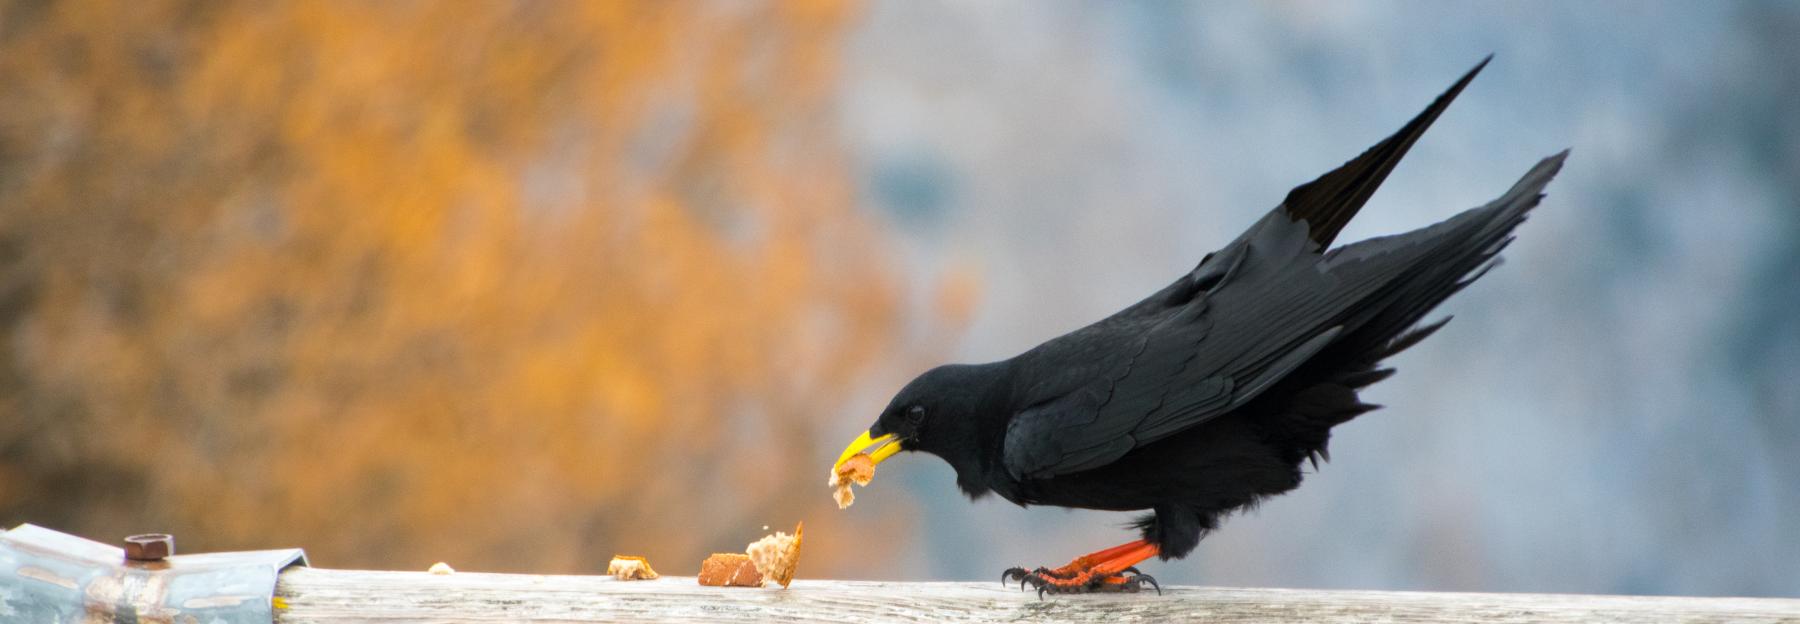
{"x": 1328, "y": 203}
{"x": 1468, "y": 245}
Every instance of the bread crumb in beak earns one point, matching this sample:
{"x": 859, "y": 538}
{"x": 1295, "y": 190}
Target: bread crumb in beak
{"x": 859, "y": 469}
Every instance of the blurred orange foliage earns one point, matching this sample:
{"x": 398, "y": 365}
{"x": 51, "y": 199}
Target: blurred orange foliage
{"x": 511, "y": 285}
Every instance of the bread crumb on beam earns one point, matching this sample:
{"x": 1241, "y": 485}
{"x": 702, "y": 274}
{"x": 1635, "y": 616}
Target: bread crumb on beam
{"x": 776, "y": 556}
{"x": 729, "y": 570}
{"x": 630, "y": 568}
{"x": 441, "y": 568}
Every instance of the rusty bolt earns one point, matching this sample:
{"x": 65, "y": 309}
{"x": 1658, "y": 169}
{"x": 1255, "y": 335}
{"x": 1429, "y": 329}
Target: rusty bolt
{"x": 149, "y": 547}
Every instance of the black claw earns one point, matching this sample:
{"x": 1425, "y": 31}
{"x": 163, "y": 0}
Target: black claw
{"x": 1141, "y": 579}
{"x": 1007, "y": 576}
{"x": 1047, "y": 582}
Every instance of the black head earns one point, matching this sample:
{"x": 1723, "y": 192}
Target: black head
{"x": 933, "y": 407}
{"x": 954, "y": 411}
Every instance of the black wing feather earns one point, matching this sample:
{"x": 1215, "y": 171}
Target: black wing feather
{"x": 1328, "y": 203}
{"x": 1284, "y": 304}
{"x": 1325, "y": 204}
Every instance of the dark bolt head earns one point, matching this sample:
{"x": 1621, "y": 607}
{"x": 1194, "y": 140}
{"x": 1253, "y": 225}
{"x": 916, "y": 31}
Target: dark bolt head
{"x": 149, "y": 547}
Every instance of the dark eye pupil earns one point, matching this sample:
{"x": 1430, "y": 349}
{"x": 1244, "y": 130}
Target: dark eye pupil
{"x": 917, "y": 412}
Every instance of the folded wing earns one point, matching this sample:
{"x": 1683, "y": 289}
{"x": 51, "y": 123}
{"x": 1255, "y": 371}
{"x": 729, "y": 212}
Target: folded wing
{"x": 1271, "y": 302}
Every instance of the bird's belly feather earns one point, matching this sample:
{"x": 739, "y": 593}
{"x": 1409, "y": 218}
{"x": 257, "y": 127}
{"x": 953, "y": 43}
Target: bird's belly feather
{"x": 1216, "y": 466}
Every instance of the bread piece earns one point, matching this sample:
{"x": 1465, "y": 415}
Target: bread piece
{"x": 629, "y": 568}
{"x": 730, "y": 570}
{"x": 776, "y": 556}
{"x": 859, "y": 469}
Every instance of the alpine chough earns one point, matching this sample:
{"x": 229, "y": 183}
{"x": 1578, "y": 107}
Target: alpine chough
{"x": 1208, "y": 395}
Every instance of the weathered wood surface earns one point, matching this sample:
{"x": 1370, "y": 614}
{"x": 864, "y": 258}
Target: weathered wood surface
{"x": 311, "y": 595}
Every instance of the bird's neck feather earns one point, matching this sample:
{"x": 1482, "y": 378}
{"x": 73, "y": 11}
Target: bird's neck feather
{"x": 970, "y": 438}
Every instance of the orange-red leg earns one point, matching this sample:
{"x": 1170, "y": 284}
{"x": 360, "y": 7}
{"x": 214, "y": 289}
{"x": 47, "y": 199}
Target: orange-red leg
{"x": 1088, "y": 561}
{"x": 1101, "y": 570}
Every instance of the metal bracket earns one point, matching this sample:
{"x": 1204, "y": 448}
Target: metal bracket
{"x": 47, "y": 576}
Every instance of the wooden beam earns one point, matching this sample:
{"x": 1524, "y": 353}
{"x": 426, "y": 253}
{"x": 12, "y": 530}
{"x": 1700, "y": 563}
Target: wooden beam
{"x": 323, "y": 596}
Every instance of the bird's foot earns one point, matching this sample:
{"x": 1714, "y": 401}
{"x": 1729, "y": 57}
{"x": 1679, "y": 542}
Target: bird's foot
{"x": 1073, "y": 569}
{"x": 1045, "y": 581}
{"x": 1110, "y": 570}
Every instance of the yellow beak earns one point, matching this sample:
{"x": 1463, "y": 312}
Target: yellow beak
{"x": 885, "y": 447}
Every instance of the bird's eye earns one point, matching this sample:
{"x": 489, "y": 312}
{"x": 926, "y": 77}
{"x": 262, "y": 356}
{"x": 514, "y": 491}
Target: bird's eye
{"x": 916, "y": 414}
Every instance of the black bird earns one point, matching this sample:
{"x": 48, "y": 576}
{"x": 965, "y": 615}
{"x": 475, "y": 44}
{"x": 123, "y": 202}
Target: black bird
{"x": 1207, "y": 396}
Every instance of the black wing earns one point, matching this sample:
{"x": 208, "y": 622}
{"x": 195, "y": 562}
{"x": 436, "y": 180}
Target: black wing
{"x": 1328, "y": 203}
{"x": 1257, "y": 310}
{"x": 1138, "y": 380}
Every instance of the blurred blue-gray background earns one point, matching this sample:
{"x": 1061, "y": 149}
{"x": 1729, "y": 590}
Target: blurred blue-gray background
{"x": 1613, "y": 410}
